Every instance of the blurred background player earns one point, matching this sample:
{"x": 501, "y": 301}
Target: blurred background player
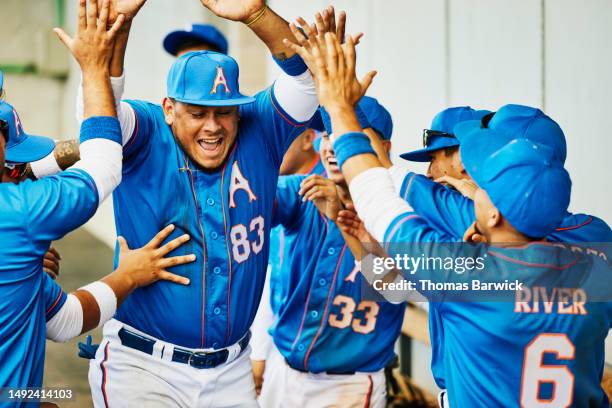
{"x": 335, "y": 344}
{"x": 196, "y": 37}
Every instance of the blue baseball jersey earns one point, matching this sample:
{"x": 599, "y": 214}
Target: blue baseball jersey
{"x": 226, "y": 212}
{"x": 449, "y": 211}
{"x": 544, "y": 346}
{"x": 278, "y": 244}
{"x": 34, "y": 214}
{"x": 325, "y": 324}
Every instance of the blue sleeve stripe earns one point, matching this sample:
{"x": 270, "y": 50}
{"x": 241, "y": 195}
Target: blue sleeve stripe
{"x": 101, "y": 127}
{"x": 281, "y": 112}
{"x": 54, "y": 309}
{"x": 293, "y": 66}
{"x": 407, "y": 188}
{"x": 395, "y": 226}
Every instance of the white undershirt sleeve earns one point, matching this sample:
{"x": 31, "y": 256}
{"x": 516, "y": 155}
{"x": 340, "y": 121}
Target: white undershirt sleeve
{"x": 297, "y": 95}
{"x": 125, "y": 113}
{"x": 377, "y": 201}
{"x": 67, "y": 322}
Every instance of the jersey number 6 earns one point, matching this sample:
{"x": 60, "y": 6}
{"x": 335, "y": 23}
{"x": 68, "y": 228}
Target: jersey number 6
{"x": 241, "y": 246}
{"x": 535, "y": 373}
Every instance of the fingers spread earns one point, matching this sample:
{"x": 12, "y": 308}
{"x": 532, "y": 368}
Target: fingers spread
{"x": 82, "y": 23}
{"x": 171, "y": 277}
{"x": 103, "y": 17}
{"x": 172, "y": 245}
{"x": 63, "y": 37}
{"x": 92, "y": 14}
{"x": 176, "y": 260}
{"x": 116, "y": 26}
{"x": 160, "y": 237}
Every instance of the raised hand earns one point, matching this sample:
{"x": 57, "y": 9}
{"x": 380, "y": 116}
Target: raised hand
{"x": 92, "y": 46}
{"x": 323, "y": 193}
{"x": 235, "y": 10}
{"x": 129, "y": 8}
{"x": 333, "y": 67}
{"x": 147, "y": 265}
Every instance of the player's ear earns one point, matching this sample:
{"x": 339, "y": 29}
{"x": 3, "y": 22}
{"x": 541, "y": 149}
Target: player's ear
{"x": 307, "y": 140}
{"x": 168, "y": 107}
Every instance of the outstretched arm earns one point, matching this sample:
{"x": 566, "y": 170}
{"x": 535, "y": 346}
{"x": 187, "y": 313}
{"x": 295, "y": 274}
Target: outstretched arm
{"x": 263, "y": 21}
{"x": 93, "y": 304}
{"x": 55, "y": 206}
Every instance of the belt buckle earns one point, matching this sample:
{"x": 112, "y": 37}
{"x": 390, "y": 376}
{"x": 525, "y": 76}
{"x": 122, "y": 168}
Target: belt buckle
{"x": 192, "y": 355}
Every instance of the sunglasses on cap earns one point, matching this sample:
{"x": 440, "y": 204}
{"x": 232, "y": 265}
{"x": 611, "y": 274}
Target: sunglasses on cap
{"x": 16, "y": 170}
{"x": 4, "y": 129}
{"x": 429, "y": 134}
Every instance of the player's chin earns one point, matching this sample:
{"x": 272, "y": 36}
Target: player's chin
{"x": 210, "y": 160}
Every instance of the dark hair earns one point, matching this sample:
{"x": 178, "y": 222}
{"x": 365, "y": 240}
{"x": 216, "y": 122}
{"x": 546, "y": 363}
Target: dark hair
{"x": 194, "y": 42}
{"x": 448, "y": 151}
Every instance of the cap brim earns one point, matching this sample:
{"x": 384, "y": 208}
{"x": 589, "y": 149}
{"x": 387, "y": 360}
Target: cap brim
{"x": 31, "y": 149}
{"x": 421, "y": 155}
{"x": 175, "y": 38}
{"x": 424, "y": 155}
{"x": 244, "y": 100}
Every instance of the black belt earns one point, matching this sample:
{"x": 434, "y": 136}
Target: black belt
{"x": 195, "y": 359}
{"x": 301, "y": 370}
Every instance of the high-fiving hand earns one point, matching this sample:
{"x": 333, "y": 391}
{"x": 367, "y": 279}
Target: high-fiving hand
{"x": 332, "y": 64}
{"x": 92, "y": 46}
{"x": 234, "y": 10}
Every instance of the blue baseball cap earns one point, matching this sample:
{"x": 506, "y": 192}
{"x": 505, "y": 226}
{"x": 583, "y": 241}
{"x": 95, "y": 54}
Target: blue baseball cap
{"x": 206, "y": 78}
{"x": 444, "y": 122}
{"x": 524, "y": 179}
{"x": 22, "y": 147}
{"x": 205, "y": 33}
{"x": 530, "y": 123}
{"x": 1, "y": 82}
{"x": 376, "y": 116}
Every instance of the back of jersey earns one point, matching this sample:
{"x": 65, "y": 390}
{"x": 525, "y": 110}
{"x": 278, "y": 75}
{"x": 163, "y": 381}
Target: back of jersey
{"x": 545, "y": 349}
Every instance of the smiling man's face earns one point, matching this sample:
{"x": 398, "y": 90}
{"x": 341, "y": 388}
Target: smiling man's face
{"x": 328, "y": 156}
{"x": 206, "y": 133}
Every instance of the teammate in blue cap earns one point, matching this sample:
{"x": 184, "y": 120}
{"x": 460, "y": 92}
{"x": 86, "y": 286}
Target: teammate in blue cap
{"x": 218, "y": 152}
{"x": 453, "y": 213}
{"x": 300, "y": 158}
{"x": 552, "y": 355}
{"x": 440, "y": 146}
{"x": 32, "y": 306}
{"x": 195, "y": 37}
{"x": 336, "y": 344}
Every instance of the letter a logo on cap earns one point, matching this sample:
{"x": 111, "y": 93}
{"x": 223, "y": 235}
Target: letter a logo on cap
{"x": 220, "y": 80}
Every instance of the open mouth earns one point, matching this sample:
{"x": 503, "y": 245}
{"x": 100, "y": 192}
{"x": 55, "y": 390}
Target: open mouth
{"x": 210, "y": 146}
{"x": 333, "y": 163}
